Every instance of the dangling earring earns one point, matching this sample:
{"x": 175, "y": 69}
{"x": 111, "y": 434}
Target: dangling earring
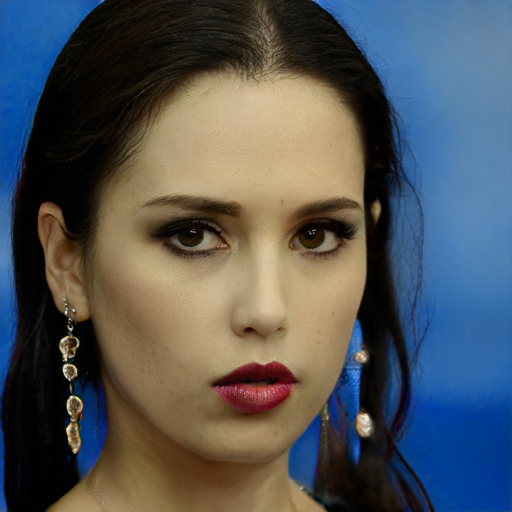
{"x": 363, "y": 423}
{"x": 324, "y": 423}
{"x": 68, "y": 346}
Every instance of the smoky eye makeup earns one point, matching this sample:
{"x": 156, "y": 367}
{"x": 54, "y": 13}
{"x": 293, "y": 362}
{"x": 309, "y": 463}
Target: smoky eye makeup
{"x": 323, "y": 238}
{"x": 199, "y": 238}
{"x": 191, "y": 238}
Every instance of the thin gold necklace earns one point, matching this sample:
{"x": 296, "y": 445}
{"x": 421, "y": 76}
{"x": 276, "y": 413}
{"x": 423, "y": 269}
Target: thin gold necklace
{"x": 97, "y": 496}
{"x": 101, "y": 503}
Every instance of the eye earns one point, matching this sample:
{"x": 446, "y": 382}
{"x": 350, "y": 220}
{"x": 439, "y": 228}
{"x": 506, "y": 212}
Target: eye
{"x": 196, "y": 237}
{"x": 323, "y": 238}
{"x": 316, "y": 239}
{"x": 191, "y": 238}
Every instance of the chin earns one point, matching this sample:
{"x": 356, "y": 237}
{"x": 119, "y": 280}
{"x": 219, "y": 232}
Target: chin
{"x": 245, "y": 445}
{"x": 256, "y": 454}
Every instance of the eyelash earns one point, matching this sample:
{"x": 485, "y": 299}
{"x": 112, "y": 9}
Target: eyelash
{"x": 169, "y": 230}
{"x": 344, "y": 231}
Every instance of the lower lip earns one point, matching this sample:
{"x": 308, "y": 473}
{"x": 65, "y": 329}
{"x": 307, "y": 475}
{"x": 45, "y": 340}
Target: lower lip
{"x": 254, "y": 399}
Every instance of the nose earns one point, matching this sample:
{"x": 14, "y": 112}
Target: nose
{"x": 260, "y": 305}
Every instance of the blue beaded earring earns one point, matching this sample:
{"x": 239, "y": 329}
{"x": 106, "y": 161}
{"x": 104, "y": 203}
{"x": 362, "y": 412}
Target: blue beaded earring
{"x": 357, "y": 357}
{"x": 349, "y": 384}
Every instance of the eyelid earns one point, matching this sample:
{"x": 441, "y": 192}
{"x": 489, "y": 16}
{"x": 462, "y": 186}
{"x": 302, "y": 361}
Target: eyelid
{"x": 325, "y": 221}
{"x": 328, "y": 223}
{"x": 171, "y": 227}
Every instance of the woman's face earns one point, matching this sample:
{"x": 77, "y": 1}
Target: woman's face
{"x": 235, "y": 235}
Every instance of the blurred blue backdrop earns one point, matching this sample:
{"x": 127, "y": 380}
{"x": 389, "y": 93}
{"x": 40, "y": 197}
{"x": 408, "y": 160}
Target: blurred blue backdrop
{"x": 447, "y": 66}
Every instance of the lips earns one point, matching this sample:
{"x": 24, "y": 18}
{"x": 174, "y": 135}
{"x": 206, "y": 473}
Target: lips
{"x": 256, "y": 388}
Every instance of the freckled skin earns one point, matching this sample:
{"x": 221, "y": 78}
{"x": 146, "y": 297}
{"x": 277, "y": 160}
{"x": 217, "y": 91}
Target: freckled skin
{"x": 169, "y": 326}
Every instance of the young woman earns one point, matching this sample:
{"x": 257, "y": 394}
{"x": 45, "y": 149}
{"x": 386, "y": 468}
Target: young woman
{"x": 205, "y": 207}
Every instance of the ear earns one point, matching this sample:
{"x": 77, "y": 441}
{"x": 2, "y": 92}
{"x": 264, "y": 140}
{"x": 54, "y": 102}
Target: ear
{"x": 376, "y": 210}
{"x": 62, "y": 261}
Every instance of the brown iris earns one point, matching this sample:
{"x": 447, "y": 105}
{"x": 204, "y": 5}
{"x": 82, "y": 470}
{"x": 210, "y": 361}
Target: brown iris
{"x": 312, "y": 238}
{"x": 191, "y": 237}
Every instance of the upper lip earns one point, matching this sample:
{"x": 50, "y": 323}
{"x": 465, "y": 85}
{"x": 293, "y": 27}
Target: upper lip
{"x": 270, "y": 372}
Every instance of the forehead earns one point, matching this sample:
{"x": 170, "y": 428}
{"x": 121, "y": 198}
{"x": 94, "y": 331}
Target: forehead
{"x": 248, "y": 141}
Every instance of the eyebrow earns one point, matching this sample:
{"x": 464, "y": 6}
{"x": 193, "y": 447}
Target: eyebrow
{"x": 197, "y": 203}
{"x": 234, "y": 209}
{"x": 328, "y": 206}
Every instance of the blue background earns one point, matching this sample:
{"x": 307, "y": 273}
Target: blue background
{"x": 447, "y": 65}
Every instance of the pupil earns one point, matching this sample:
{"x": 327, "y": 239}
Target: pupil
{"x": 312, "y": 238}
{"x": 191, "y": 237}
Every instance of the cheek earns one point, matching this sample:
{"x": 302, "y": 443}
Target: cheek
{"x": 326, "y": 314}
{"x": 149, "y": 329}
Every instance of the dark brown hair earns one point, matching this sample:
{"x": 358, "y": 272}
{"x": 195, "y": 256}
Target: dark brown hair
{"x": 108, "y": 82}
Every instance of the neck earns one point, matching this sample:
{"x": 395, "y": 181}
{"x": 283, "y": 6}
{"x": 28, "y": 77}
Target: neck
{"x": 192, "y": 485}
{"x": 142, "y": 469}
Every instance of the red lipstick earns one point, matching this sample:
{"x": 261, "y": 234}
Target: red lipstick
{"x": 256, "y": 388}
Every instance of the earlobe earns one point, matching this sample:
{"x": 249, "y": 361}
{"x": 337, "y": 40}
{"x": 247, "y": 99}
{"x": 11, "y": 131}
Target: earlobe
{"x": 376, "y": 210}
{"x": 62, "y": 261}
